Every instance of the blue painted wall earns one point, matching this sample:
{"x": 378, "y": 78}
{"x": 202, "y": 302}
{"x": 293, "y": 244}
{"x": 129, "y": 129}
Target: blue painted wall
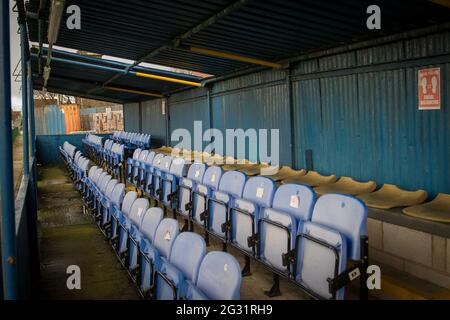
{"x": 47, "y": 151}
{"x": 357, "y": 112}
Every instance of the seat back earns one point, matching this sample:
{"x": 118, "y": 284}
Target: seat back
{"x": 102, "y": 176}
{"x": 210, "y": 183}
{"x": 211, "y": 178}
{"x": 339, "y": 221}
{"x": 232, "y": 183}
{"x": 345, "y": 214}
{"x": 194, "y": 176}
{"x": 110, "y": 187}
{"x": 166, "y": 233}
{"x": 187, "y": 253}
{"x": 104, "y": 183}
{"x": 196, "y": 172}
{"x": 85, "y": 165}
{"x": 219, "y": 276}
{"x": 178, "y": 167}
{"x": 150, "y": 222}
{"x": 128, "y": 201}
{"x": 150, "y": 157}
{"x": 138, "y": 209}
{"x": 258, "y": 194}
{"x": 118, "y": 194}
{"x": 92, "y": 172}
{"x": 260, "y": 191}
{"x": 231, "y": 187}
{"x": 166, "y": 163}
{"x": 292, "y": 204}
{"x": 98, "y": 176}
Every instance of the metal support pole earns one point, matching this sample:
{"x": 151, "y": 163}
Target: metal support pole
{"x": 31, "y": 113}
{"x": 26, "y": 146}
{"x": 291, "y": 117}
{"x": 9, "y": 260}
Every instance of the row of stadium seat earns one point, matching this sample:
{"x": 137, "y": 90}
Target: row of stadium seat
{"x": 285, "y": 228}
{"x": 153, "y": 251}
{"x": 132, "y": 139}
{"x": 282, "y": 228}
{"x": 75, "y": 162}
{"x": 109, "y": 155}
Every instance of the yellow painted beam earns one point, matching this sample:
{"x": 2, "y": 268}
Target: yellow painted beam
{"x": 134, "y": 91}
{"x": 162, "y": 78}
{"x": 231, "y": 56}
{"x": 445, "y": 3}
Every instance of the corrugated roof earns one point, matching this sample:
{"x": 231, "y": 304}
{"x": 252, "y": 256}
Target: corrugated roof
{"x": 264, "y": 29}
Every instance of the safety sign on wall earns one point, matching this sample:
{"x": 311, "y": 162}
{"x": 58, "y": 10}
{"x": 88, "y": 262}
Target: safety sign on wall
{"x": 429, "y": 88}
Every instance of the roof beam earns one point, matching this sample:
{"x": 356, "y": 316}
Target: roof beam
{"x": 176, "y": 42}
{"x": 444, "y": 3}
{"x": 236, "y": 57}
{"x": 151, "y": 93}
{"x": 121, "y": 71}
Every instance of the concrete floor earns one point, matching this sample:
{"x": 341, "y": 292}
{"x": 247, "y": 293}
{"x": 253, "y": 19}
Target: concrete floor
{"x": 68, "y": 237}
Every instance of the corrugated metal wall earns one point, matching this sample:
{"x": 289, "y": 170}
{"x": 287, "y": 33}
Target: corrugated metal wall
{"x": 153, "y": 121}
{"x": 49, "y": 120}
{"x": 131, "y": 117}
{"x": 364, "y": 122}
{"x": 356, "y": 111}
{"x": 187, "y": 107}
{"x": 258, "y": 101}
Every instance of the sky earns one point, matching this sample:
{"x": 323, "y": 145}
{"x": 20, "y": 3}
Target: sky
{"x": 16, "y": 98}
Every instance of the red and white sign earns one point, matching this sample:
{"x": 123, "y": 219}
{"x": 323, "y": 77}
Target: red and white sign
{"x": 429, "y": 89}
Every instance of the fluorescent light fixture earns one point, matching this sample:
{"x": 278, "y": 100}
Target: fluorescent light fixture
{"x": 56, "y": 12}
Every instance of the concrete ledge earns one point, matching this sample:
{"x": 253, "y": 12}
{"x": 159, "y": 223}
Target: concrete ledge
{"x": 395, "y": 216}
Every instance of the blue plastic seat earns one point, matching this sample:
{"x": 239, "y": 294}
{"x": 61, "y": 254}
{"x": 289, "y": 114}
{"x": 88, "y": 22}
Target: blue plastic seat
{"x": 152, "y": 252}
{"x": 104, "y": 196}
{"x": 137, "y": 167}
{"x": 219, "y": 278}
{"x": 183, "y": 200}
{"x": 258, "y": 194}
{"x": 125, "y": 209}
{"x": 171, "y": 180}
{"x": 138, "y": 233}
{"x": 101, "y": 189}
{"x": 183, "y": 265}
{"x": 231, "y": 187}
{"x": 134, "y": 217}
{"x": 150, "y": 175}
{"x": 326, "y": 242}
{"x": 159, "y": 174}
{"x": 131, "y": 163}
{"x": 203, "y": 191}
{"x": 144, "y": 166}
{"x": 292, "y": 205}
{"x": 112, "y": 203}
{"x": 87, "y": 181}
